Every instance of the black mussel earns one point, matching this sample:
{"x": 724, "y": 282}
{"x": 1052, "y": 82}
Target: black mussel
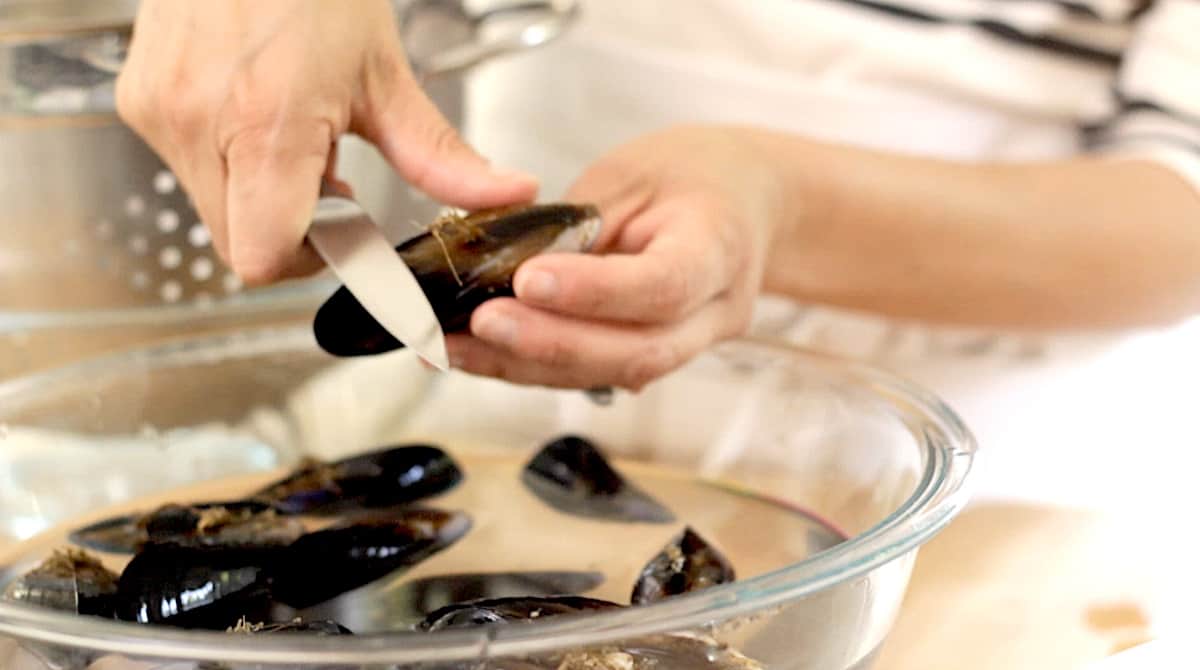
{"x": 571, "y": 475}
{"x": 325, "y": 564}
{"x": 505, "y": 610}
{"x": 687, "y": 563}
{"x": 376, "y": 479}
{"x": 233, "y": 523}
{"x": 422, "y": 596}
{"x": 460, "y": 262}
{"x": 210, "y": 587}
{"x": 298, "y": 625}
{"x": 70, "y": 580}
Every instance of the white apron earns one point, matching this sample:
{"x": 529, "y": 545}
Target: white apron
{"x": 1089, "y": 421}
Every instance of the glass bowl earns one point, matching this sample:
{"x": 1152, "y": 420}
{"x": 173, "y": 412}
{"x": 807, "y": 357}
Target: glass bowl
{"x": 885, "y": 462}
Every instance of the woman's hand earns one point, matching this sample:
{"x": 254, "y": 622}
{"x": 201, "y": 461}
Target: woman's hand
{"x": 689, "y": 216}
{"x": 245, "y": 100}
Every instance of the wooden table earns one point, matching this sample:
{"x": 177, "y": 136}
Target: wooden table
{"x": 1013, "y": 585}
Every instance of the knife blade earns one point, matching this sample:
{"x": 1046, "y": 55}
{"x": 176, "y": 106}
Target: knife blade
{"x": 350, "y": 243}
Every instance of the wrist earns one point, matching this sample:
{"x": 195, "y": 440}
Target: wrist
{"x": 798, "y": 221}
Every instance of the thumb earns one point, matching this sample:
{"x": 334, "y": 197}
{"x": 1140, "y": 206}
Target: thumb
{"x": 273, "y": 184}
{"x": 429, "y": 153}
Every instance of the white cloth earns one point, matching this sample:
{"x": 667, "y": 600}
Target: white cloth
{"x": 1076, "y": 420}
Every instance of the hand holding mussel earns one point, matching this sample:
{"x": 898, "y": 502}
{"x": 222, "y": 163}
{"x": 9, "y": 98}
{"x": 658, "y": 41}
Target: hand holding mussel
{"x": 461, "y": 261}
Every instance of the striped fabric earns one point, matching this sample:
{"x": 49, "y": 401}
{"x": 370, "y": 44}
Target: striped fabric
{"x": 1148, "y": 50}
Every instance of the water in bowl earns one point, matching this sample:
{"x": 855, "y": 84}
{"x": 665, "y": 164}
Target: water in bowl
{"x": 514, "y": 532}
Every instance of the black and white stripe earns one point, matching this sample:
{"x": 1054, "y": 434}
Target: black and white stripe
{"x": 1151, "y": 47}
{"x": 1089, "y": 30}
{"x": 1140, "y": 121}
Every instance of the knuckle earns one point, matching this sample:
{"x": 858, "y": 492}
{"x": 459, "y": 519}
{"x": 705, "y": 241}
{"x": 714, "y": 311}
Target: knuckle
{"x": 671, "y": 294}
{"x": 584, "y": 297}
{"x": 176, "y": 96}
{"x": 649, "y": 364}
{"x": 444, "y": 139}
{"x": 182, "y": 117}
{"x": 441, "y": 141}
{"x": 553, "y": 354}
{"x": 249, "y": 142}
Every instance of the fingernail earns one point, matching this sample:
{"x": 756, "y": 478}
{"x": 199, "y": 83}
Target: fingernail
{"x": 497, "y": 329}
{"x": 537, "y": 285}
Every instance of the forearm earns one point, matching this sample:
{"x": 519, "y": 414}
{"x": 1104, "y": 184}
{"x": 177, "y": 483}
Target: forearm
{"x": 1069, "y": 244}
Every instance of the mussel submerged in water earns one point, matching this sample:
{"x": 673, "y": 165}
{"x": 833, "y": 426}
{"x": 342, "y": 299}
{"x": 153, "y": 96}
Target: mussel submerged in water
{"x": 214, "y": 587}
{"x": 427, "y": 594}
{"x": 233, "y": 523}
{"x": 327, "y": 563}
{"x": 380, "y": 478}
{"x": 506, "y": 610}
{"x": 71, "y": 580}
{"x": 460, "y": 262}
{"x": 687, "y": 563}
{"x": 210, "y": 587}
{"x": 571, "y": 475}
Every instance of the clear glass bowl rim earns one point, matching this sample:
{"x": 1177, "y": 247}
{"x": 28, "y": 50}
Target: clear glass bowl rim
{"x": 939, "y": 495}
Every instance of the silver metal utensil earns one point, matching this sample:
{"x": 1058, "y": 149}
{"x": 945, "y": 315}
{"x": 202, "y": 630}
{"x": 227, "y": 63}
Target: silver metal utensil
{"x": 95, "y": 222}
{"x": 362, "y": 258}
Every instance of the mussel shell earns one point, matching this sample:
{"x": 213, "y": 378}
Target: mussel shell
{"x": 428, "y": 594}
{"x": 381, "y": 478}
{"x": 467, "y": 262}
{"x": 70, "y": 580}
{"x": 508, "y": 610}
{"x": 209, "y": 587}
{"x": 244, "y": 523}
{"x": 687, "y": 563}
{"x": 571, "y": 475}
{"x": 325, "y": 564}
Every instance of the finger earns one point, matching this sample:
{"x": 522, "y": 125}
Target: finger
{"x": 417, "y": 140}
{"x": 527, "y": 345}
{"x": 475, "y": 356}
{"x": 273, "y": 185}
{"x": 667, "y": 281}
{"x": 621, "y": 193}
{"x": 205, "y": 180}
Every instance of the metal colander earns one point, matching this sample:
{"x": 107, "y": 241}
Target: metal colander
{"x": 92, "y": 222}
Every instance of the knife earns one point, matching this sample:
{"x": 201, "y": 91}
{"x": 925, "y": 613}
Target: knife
{"x": 350, "y": 243}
